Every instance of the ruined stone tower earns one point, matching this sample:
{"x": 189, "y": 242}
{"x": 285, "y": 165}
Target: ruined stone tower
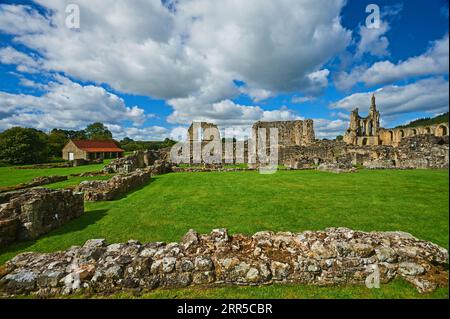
{"x": 364, "y": 130}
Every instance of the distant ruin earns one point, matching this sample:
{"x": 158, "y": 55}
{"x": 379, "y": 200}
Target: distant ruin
{"x": 366, "y": 130}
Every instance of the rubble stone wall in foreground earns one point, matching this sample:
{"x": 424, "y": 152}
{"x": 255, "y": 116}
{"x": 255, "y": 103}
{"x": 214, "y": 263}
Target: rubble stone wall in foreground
{"x": 335, "y": 256}
{"x": 27, "y": 214}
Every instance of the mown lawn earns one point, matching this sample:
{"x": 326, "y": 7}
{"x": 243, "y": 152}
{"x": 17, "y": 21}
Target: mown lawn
{"x": 415, "y": 201}
{"x": 11, "y": 175}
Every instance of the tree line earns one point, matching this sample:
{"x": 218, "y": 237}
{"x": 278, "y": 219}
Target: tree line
{"x": 20, "y": 145}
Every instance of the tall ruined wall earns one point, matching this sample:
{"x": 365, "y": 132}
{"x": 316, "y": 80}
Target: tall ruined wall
{"x": 203, "y": 131}
{"x": 335, "y": 256}
{"x": 289, "y": 132}
{"x": 27, "y": 214}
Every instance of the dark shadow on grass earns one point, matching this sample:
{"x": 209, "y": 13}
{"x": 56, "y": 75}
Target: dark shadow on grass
{"x": 136, "y": 189}
{"x": 77, "y": 224}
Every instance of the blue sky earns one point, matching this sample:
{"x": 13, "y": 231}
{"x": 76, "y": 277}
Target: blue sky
{"x": 148, "y": 68}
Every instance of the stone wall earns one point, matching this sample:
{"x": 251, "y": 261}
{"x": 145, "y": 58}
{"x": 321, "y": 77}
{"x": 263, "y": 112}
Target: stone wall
{"x": 128, "y": 164}
{"x": 117, "y": 186}
{"x": 289, "y": 132}
{"x": 335, "y": 256}
{"x": 27, "y": 214}
{"x": 425, "y": 151}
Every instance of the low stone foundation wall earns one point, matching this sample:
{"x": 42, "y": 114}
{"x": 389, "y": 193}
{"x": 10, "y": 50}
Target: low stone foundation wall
{"x": 115, "y": 187}
{"x": 332, "y": 257}
{"x": 30, "y": 213}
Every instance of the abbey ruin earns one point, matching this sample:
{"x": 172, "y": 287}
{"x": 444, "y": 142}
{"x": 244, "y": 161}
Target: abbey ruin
{"x": 365, "y": 143}
{"x": 366, "y": 130}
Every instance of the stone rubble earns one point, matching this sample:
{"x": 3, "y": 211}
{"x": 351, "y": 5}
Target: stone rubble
{"x": 27, "y": 214}
{"x": 335, "y": 256}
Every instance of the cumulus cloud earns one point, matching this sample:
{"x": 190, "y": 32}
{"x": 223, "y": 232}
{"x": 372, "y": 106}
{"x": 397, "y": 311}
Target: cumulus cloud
{"x": 189, "y": 52}
{"x": 325, "y": 128}
{"x": 427, "y": 95}
{"x": 432, "y": 62}
{"x": 373, "y": 40}
{"x": 149, "y": 133}
{"x": 24, "y": 62}
{"x": 67, "y": 104}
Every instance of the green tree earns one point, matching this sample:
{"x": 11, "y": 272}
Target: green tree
{"x": 339, "y": 138}
{"x": 98, "y": 131}
{"x": 57, "y": 139}
{"x": 20, "y": 145}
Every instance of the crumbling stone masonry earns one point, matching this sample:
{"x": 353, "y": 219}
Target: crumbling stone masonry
{"x": 335, "y": 256}
{"x": 289, "y": 132}
{"x": 128, "y": 164}
{"x": 422, "y": 151}
{"x": 367, "y": 131}
{"x": 27, "y": 214}
{"x": 117, "y": 186}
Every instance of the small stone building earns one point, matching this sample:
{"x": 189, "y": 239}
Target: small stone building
{"x": 91, "y": 150}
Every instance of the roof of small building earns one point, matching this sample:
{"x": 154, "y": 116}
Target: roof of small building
{"x": 97, "y": 146}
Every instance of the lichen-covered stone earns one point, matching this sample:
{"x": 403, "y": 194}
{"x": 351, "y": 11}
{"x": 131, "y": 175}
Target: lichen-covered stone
{"x": 27, "y": 214}
{"x": 329, "y": 257}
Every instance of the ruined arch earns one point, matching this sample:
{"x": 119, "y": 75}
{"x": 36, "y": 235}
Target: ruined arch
{"x": 441, "y": 130}
{"x": 427, "y": 130}
{"x": 401, "y": 133}
{"x": 414, "y": 132}
{"x": 364, "y": 141}
{"x": 391, "y": 136}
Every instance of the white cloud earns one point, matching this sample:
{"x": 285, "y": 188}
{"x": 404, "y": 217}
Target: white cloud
{"x": 21, "y": 20}
{"x": 24, "y": 62}
{"x": 256, "y": 94}
{"x": 434, "y": 61}
{"x": 373, "y": 40}
{"x": 427, "y": 95}
{"x": 149, "y": 133}
{"x": 67, "y": 104}
{"x": 189, "y": 55}
{"x": 302, "y": 99}
{"x": 325, "y": 128}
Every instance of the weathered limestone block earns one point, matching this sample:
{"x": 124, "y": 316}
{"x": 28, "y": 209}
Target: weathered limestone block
{"x": 425, "y": 151}
{"x": 128, "y": 164}
{"x": 329, "y": 257}
{"x": 115, "y": 187}
{"x": 27, "y": 214}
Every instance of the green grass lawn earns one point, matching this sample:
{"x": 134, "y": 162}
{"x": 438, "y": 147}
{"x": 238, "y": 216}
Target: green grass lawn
{"x": 10, "y": 175}
{"x": 415, "y": 201}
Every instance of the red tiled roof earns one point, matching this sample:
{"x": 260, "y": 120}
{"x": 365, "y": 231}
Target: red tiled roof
{"x": 98, "y": 146}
